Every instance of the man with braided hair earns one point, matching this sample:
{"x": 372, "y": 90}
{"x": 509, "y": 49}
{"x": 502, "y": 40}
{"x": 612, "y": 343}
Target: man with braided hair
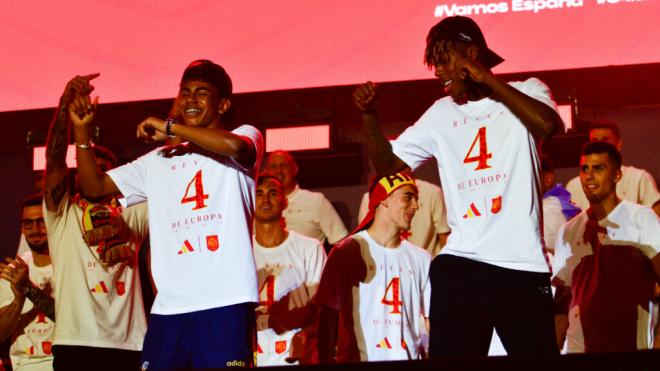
{"x": 484, "y": 137}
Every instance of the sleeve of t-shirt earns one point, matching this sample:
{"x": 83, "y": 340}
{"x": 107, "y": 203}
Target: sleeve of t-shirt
{"x": 538, "y": 90}
{"x": 648, "y": 190}
{"x": 415, "y": 145}
{"x": 330, "y": 222}
{"x": 560, "y": 274}
{"x": 257, "y": 139}
{"x": 649, "y": 226}
{"x": 131, "y": 179}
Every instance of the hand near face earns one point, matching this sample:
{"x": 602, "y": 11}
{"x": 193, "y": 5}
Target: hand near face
{"x": 465, "y": 66}
{"x": 151, "y": 130}
{"x": 365, "y": 97}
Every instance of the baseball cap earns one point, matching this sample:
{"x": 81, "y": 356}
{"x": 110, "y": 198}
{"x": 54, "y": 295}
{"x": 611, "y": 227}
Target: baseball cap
{"x": 466, "y": 30}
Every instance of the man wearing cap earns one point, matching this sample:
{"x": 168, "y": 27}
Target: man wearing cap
{"x": 201, "y": 205}
{"x": 484, "y": 138}
{"x": 374, "y": 292}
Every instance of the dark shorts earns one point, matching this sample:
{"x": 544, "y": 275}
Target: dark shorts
{"x": 212, "y": 338}
{"x": 469, "y": 299}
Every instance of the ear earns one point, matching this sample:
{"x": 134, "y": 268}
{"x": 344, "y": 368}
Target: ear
{"x": 224, "y": 105}
{"x": 617, "y": 176}
{"x": 472, "y": 52}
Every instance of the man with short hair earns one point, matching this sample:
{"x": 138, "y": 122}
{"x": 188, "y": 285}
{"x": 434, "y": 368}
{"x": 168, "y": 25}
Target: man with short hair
{"x": 374, "y": 293}
{"x": 636, "y": 185}
{"x": 289, "y": 267}
{"x": 606, "y": 264}
{"x": 93, "y": 243}
{"x": 308, "y": 213}
{"x": 484, "y": 138}
{"x": 201, "y": 205}
{"x": 27, "y": 307}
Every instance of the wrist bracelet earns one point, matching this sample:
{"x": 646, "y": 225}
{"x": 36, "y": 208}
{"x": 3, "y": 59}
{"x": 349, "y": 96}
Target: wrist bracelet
{"x": 168, "y": 127}
{"x": 87, "y": 145}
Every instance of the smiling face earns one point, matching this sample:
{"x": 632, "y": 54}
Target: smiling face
{"x": 400, "y": 206}
{"x": 34, "y": 228}
{"x": 598, "y": 175}
{"x": 270, "y": 201}
{"x": 199, "y": 104}
{"x": 282, "y": 165}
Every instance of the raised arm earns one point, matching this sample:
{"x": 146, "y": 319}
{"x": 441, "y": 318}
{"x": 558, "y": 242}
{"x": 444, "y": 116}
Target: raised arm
{"x": 93, "y": 182}
{"x": 540, "y": 119}
{"x": 381, "y": 156}
{"x": 55, "y": 186}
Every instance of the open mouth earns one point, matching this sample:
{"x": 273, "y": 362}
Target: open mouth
{"x": 191, "y": 111}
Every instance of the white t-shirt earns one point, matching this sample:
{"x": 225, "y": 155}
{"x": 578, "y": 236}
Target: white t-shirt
{"x": 312, "y": 215}
{"x": 382, "y": 295}
{"x": 200, "y": 216}
{"x": 96, "y": 306}
{"x": 636, "y": 185}
{"x": 608, "y": 269}
{"x": 429, "y": 221}
{"x": 553, "y": 219}
{"x": 296, "y": 263}
{"x": 489, "y": 170}
{"x": 32, "y": 349}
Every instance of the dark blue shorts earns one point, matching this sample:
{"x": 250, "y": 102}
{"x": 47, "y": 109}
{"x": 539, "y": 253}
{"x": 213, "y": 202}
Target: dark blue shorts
{"x": 212, "y": 338}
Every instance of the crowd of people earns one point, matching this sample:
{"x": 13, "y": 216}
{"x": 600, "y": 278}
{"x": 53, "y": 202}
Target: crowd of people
{"x": 236, "y": 255}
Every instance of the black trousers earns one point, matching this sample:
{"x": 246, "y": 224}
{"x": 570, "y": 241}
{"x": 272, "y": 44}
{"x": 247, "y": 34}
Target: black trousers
{"x": 470, "y": 298}
{"x": 70, "y": 357}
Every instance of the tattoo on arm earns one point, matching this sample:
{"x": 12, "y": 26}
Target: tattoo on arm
{"x": 56, "y": 147}
{"x": 42, "y": 301}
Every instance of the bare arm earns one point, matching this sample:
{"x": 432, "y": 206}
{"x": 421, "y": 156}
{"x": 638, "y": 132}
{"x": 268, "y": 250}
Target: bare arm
{"x": 93, "y": 182}
{"x": 216, "y": 140}
{"x": 381, "y": 156}
{"x": 538, "y": 118}
{"x": 56, "y": 169}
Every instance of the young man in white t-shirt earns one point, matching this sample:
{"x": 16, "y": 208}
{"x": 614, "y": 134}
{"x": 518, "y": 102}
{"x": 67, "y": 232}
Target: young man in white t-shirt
{"x": 606, "y": 264}
{"x": 201, "y": 205}
{"x": 492, "y": 273}
{"x": 374, "y": 293}
{"x": 289, "y": 267}
{"x": 93, "y": 244}
{"x": 27, "y": 307}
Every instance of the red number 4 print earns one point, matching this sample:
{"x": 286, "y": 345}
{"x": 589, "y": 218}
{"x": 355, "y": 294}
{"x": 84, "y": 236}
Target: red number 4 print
{"x": 395, "y": 302}
{"x": 198, "y": 197}
{"x": 482, "y": 158}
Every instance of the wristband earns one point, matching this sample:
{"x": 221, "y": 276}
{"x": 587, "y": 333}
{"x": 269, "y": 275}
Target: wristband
{"x": 168, "y": 127}
{"x": 87, "y": 145}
